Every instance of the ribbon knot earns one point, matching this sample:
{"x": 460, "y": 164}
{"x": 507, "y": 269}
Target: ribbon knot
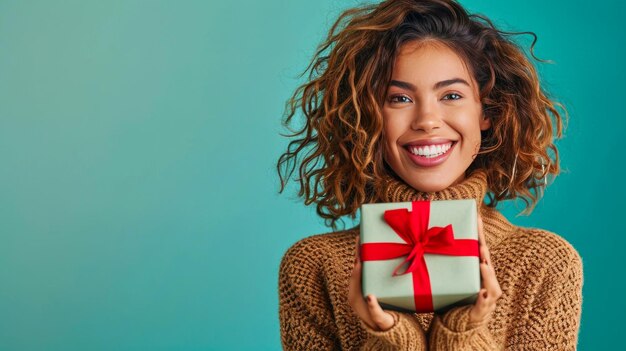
{"x": 416, "y": 254}
{"x": 412, "y": 227}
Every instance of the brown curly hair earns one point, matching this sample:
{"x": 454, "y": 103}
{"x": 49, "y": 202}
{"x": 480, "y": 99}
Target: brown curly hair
{"x": 342, "y": 166}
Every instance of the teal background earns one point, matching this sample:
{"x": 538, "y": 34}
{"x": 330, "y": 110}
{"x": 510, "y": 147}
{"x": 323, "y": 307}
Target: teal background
{"x": 138, "y": 140}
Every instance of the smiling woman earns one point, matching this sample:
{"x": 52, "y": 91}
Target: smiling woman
{"x": 411, "y": 100}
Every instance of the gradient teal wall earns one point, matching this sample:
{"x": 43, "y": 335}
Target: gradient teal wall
{"x": 138, "y": 197}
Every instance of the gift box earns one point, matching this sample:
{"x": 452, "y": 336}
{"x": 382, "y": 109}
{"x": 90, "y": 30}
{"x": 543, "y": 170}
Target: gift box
{"x": 420, "y": 256}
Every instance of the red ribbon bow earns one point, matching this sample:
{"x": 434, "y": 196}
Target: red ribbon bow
{"x": 412, "y": 227}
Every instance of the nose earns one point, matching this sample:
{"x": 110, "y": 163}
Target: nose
{"x": 426, "y": 118}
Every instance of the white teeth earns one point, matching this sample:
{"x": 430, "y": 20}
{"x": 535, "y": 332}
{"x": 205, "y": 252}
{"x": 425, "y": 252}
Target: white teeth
{"x": 430, "y": 151}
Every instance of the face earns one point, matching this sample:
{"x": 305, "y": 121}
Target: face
{"x": 432, "y": 117}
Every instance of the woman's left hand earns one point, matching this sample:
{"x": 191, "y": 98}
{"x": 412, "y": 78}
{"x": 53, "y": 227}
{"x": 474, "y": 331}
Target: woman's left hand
{"x": 370, "y": 312}
{"x": 490, "y": 290}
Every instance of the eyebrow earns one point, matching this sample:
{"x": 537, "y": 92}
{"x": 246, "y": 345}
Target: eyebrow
{"x": 438, "y": 85}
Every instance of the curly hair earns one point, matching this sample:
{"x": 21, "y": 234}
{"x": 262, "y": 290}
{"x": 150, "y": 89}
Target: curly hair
{"x": 338, "y": 149}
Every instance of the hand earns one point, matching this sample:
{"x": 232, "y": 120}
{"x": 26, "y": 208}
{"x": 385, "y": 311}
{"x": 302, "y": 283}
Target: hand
{"x": 490, "y": 290}
{"x": 370, "y": 312}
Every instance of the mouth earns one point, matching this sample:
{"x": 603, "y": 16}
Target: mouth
{"x": 430, "y": 155}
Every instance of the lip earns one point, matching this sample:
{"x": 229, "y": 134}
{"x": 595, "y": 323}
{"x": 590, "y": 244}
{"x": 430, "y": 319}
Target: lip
{"x": 429, "y": 162}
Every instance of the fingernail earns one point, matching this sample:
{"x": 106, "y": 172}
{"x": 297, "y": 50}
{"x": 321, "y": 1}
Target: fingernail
{"x": 369, "y": 298}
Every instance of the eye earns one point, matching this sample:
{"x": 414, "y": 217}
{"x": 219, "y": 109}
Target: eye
{"x": 399, "y": 99}
{"x": 452, "y": 96}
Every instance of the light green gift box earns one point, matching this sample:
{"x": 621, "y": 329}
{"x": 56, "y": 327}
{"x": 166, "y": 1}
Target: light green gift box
{"x": 454, "y": 280}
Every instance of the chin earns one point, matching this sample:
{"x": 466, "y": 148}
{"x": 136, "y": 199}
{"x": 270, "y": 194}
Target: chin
{"x": 430, "y": 187}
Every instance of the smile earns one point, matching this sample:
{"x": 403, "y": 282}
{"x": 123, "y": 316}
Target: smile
{"x": 429, "y": 155}
{"x": 430, "y": 151}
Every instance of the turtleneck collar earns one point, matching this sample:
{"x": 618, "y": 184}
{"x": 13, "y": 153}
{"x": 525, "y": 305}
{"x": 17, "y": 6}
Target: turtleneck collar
{"x": 474, "y": 186}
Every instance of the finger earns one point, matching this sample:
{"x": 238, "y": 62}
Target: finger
{"x": 485, "y": 255}
{"x": 355, "y": 293}
{"x": 485, "y": 304}
{"x": 481, "y": 267}
{"x": 481, "y": 306}
{"x": 383, "y": 320}
{"x": 481, "y": 300}
{"x": 355, "y": 280}
{"x": 490, "y": 282}
{"x": 481, "y": 236}
{"x": 355, "y": 296}
{"x": 484, "y": 249}
{"x": 354, "y": 288}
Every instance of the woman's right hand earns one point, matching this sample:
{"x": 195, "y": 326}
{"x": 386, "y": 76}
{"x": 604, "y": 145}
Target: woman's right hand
{"x": 369, "y": 311}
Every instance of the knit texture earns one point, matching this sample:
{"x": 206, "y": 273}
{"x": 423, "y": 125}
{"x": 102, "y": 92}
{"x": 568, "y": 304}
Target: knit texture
{"x": 539, "y": 272}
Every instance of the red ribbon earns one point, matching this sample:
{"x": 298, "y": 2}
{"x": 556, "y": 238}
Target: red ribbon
{"x": 412, "y": 227}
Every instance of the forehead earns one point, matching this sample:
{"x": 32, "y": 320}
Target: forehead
{"x": 428, "y": 61}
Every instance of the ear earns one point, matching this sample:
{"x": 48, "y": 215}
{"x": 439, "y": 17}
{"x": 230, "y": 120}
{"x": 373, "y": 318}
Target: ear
{"x": 485, "y": 123}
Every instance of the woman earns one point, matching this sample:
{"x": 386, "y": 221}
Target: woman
{"x": 411, "y": 100}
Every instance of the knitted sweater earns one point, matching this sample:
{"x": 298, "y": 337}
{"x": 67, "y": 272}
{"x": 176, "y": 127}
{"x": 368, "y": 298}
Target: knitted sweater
{"x": 539, "y": 272}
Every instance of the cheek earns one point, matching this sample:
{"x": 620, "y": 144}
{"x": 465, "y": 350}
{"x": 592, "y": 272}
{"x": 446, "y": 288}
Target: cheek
{"x": 390, "y": 137}
{"x": 387, "y": 142}
{"x": 471, "y": 135}
{"x": 394, "y": 125}
{"x": 389, "y": 132}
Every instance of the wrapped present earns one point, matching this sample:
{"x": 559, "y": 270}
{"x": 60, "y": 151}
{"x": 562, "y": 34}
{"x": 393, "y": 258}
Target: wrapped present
{"x": 420, "y": 256}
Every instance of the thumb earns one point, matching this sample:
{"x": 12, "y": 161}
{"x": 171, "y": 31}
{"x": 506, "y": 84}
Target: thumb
{"x": 384, "y": 320}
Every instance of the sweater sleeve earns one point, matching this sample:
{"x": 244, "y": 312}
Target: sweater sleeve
{"x": 305, "y": 317}
{"x": 453, "y": 331}
{"x": 551, "y": 320}
{"x": 405, "y": 335}
{"x": 554, "y": 317}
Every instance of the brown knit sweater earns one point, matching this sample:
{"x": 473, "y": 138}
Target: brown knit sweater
{"x": 539, "y": 272}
